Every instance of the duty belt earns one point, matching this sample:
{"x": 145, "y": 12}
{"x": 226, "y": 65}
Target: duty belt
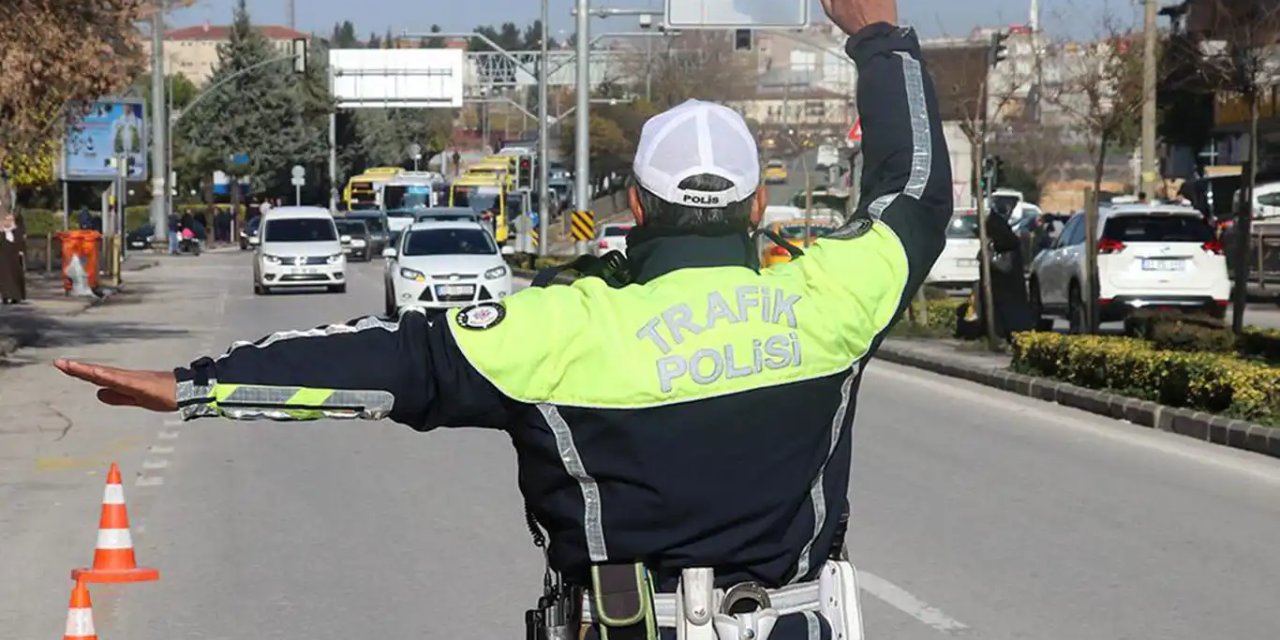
{"x": 791, "y": 599}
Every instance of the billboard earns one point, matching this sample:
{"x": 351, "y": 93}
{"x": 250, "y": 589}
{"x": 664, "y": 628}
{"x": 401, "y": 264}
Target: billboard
{"x": 113, "y": 129}
{"x": 737, "y": 14}
{"x": 379, "y": 78}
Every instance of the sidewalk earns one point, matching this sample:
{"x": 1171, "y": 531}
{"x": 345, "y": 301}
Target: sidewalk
{"x": 23, "y": 324}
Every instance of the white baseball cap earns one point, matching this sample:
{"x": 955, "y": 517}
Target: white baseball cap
{"x": 692, "y": 139}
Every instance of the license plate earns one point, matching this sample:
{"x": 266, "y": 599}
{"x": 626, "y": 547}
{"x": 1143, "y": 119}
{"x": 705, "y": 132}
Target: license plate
{"x": 1163, "y": 264}
{"x": 456, "y": 290}
{"x": 306, "y": 271}
{"x": 966, "y": 262}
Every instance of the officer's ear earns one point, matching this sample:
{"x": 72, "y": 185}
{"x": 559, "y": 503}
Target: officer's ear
{"x": 758, "y": 206}
{"x": 633, "y": 198}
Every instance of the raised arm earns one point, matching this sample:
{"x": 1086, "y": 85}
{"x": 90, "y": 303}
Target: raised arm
{"x": 410, "y": 371}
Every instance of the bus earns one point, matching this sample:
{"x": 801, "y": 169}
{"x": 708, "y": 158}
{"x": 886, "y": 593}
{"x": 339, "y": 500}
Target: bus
{"x": 482, "y": 193}
{"x": 409, "y": 193}
{"x": 504, "y": 166}
{"x": 361, "y": 192}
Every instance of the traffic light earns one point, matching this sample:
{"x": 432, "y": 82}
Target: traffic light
{"x": 742, "y": 40}
{"x": 999, "y": 51}
{"x": 524, "y": 175}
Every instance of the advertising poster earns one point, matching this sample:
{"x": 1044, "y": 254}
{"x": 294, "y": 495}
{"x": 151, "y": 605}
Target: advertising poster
{"x": 112, "y": 128}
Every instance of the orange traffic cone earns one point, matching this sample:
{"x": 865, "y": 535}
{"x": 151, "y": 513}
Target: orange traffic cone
{"x": 113, "y": 559}
{"x": 80, "y": 615}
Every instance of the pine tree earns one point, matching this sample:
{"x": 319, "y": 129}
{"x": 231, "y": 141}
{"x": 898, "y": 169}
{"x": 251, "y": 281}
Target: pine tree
{"x": 265, "y": 113}
{"x": 374, "y": 43}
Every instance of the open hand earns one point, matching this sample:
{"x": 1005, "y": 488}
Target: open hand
{"x": 153, "y": 390}
{"x": 852, "y": 15}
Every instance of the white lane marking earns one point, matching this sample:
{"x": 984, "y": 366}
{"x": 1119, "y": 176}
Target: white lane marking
{"x": 159, "y": 450}
{"x": 149, "y": 481}
{"x": 1046, "y": 413}
{"x": 152, "y": 465}
{"x": 168, "y": 435}
{"x": 903, "y": 601}
{"x": 172, "y": 422}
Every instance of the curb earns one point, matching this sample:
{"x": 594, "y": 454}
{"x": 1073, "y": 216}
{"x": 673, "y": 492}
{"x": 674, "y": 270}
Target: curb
{"x": 1237, "y": 434}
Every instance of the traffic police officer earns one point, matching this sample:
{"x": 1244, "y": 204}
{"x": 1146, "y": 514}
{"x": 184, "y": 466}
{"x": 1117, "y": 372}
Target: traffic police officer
{"x": 686, "y": 440}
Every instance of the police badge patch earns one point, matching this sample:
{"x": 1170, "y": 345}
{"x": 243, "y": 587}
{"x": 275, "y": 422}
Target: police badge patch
{"x": 481, "y": 316}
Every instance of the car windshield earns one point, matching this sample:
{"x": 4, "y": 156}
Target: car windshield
{"x": 963, "y": 227}
{"x": 611, "y": 232}
{"x": 354, "y": 228}
{"x": 476, "y": 201}
{"x": 443, "y": 242}
{"x": 374, "y": 224}
{"x": 775, "y": 164}
{"x": 796, "y": 231}
{"x": 397, "y": 197}
{"x": 1158, "y": 228}
{"x": 300, "y": 230}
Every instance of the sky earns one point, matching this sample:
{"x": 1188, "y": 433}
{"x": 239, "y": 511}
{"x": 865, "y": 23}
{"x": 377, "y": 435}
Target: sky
{"x": 1061, "y": 18}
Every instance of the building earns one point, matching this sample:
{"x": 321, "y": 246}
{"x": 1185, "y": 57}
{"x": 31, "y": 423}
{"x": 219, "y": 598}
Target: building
{"x": 814, "y": 57}
{"x": 798, "y": 108}
{"x": 193, "y": 51}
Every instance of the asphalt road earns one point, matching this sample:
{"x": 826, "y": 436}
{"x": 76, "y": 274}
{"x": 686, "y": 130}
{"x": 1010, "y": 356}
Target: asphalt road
{"x": 975, "y": 513}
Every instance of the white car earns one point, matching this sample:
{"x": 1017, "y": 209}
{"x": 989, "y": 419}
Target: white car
{"x": 1266, "y": 202}
{"x": 1149, "y": 257}
{"x": 298, "y": 247}
{"x": 958, "y": 264}
{"x": 612, "y": 237}
{"x": 439, "y": 265}
{"x": 828, "y": 156}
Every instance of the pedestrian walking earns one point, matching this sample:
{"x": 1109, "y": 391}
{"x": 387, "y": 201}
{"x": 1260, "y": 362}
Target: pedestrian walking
{"x": 13, "y": 247}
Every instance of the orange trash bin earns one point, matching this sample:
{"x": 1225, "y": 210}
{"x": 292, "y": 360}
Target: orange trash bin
{"x": 87, "y": 245}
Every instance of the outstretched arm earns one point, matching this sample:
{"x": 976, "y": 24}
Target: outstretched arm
{"x": 410, "y": 371}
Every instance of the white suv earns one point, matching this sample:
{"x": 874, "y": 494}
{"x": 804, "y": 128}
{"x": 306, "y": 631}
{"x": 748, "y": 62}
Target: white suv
{"x": 298, "y": 247}
{"x": 1149, "y": 257}
{"x": 439, "y": 265}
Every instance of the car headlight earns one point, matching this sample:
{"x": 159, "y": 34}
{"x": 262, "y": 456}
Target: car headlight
{"x": 335, "y": 259}
{"x": 410, "y": 274}
{"x": 496, "y": 272}
{"x": 271, "y": 259}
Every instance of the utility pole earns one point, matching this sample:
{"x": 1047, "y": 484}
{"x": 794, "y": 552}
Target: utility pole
{"x": 290, "y": 9}
{"x": 159, "y": 122}
{"x": 544, "y": 140}
{"x": 582, "y": 133}
{"x": 1149, "y": 101}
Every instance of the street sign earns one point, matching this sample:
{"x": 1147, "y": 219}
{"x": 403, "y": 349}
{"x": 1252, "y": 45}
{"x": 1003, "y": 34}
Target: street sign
{"x": 111, "y": 127}
{"x": 415, "y": 151}
{"x": 737, "y": 14}
{"x": 298, "y": 171}
{"x": 299, "y": 182}
{"x": 238, "y": 159}
{"x": 584, "y": 225}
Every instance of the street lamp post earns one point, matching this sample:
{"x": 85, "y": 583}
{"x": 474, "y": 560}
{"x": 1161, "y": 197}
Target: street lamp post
{"x": 582, "y": 146}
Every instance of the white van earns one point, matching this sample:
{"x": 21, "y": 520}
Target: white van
{"x": 299, "y": 247}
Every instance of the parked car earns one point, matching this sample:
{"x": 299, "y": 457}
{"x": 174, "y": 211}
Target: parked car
{"x": 299, "y": 247}
{"x": 438, "y": 265}
{"x": 611, "y": 237}
{"x": 1149, "y": 257}
{"x": 1037, "y": 233}
{"x": 141, "y": 237}
{"x": 354, "y": 235}
{"x": 958, "y": 265}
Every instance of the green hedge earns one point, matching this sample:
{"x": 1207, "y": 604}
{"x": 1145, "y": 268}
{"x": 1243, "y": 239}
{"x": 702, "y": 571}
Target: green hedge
{"x": 43, "y": 221}
{"x": 941, "y": 321}
{"x": 1214, "y": 382}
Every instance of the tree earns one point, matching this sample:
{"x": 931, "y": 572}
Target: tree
{"x": 374, "y": 42}
{"x": 435, "y": 42}
{"x": 1103, "y": 90}
{"x": 699, "y": 64}
{"x": 276, "y": 118}
{"x": 57, "y": 54}
{"x": 344, "y": 36}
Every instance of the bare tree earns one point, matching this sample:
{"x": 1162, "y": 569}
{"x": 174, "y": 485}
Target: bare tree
{"x": 1102, "y": 90}
{"x": 1237, "y": 42}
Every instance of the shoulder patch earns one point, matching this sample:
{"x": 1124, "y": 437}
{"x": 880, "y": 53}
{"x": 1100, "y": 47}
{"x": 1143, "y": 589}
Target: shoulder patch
{"x": 855, "y": 228}
{"x": 481, "y": 316}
